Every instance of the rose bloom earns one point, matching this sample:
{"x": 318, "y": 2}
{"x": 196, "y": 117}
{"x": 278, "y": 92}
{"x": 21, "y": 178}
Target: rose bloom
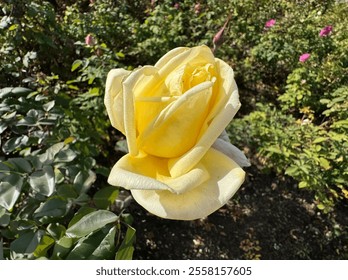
{"x": 304, "y": 57}
{"x": 89, "y": 40}
{"x": 181, "y": 164}
{"x": 325, "y": 31}
{"x": 197, "y": 8}
{"x": 270, "y": 23}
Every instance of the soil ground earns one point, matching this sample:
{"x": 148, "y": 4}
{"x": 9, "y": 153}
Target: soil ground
{"x": 269, "y": 218}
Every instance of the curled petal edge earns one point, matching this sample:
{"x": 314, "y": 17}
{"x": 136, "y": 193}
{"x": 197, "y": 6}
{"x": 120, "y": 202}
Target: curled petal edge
{"x": 226, "y": 177}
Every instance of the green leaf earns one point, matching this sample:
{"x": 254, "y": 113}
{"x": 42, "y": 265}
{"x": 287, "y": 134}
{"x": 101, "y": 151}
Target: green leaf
{"x": 292, "y": 170}
{"x": 10, "y": 189}
{"x": 21, "y": 164}
{"x": 66, "y": 191}
{"x": 45, "y": 244}
{"x": 324, "y": 163}
{"x": 62, "y": 247}
{"x": 319, "y": 140}
{"x": 1, "y": 250}
{"x": 5, "y": 217}
{"x": 120, "y": 55}
{"x": 83, "y": 211}
{"x": 14, "y": 91}
{"x": 122, "y": 146}
{"x": 48, "y": 106}
{"x": 302, "y": 184}
{"x": 125, "y": 252}
{"x": 340, "y": 124}
{"x": 76, "y": 64}
{"x": 106, "y": 248}
{"x": 31, "y": 119}
{"x": 50, "y": 153}
{"x": 65, "y": 155}
{"x": 56, "y": 230}
{"x": 56, "y": 207}
{"x": 105, "y": 196}
{"x": 83, "y": 180}
{"x": 15, "y": 143}
{"x": 4, "y": 170}
{"x": 91, "y": 222}
{"x": 87, "y": 247}
{"x": 13, "y": 27}
{"x": 27, "y": 243}
{"x": 321, "y": 206}
{"x": 274, "y": 149}
{"x": 43, "y": 181}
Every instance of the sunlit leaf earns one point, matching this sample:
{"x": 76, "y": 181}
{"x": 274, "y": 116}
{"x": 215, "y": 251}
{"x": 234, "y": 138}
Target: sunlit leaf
{"x": 83, "y": 180}
{"x": 56, "y": 230}
{"x": 27, "y": 243}
{"x": 15, "y": 143}
{"x": 125, "y": 251}
{"x": 91, "y": 222}
{"x": 48, "y": 106}
{"x": 62, "y": 247}
{"x": 43, "y": 181}
{"x": 76, "y": 64}
{"x": 55, "y": 207}
{"x": 5, "y": 217}
{"x": 65, "y": 155}
{"x": 87, "y": 247}
{"x": 45, "y": 244}
{"x": 83, "y": 211}
{"x": 292, "y": 170}
{"x": 50, "y": 153}
{"x": 324, "y": 163}
{"x": 106, "y": 249}
{"x": 105, "y": 196}
{"x": 10, "y": 189}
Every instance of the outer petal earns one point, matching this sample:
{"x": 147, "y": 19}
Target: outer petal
{"x": 114, "y": 97}
{"x": 223, "y": 112}
{"x": 231, "y": 151}
{"x": 129, "y": 85}
{"x": 169, "y": 55}
{"x": 196, "y": 56}
{"x": 225, "y": 179}
{"x": 151, "y": 173}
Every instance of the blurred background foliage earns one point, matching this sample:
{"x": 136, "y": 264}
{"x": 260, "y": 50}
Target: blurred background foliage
{"x": 57, "y": 146}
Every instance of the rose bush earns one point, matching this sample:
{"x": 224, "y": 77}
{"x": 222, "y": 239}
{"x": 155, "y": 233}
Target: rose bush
{"x": 180, "y": 164}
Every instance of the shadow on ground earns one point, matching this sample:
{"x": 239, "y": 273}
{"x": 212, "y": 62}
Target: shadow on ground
{"x": 269, "y": 218}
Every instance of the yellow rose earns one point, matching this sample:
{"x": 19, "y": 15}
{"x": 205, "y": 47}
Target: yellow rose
{"x": 180, "y": 164}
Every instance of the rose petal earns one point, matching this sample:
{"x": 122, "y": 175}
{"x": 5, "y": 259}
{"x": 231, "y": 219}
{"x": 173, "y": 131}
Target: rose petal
{"x": 129, "y": 112}
{"x": 231, "y": 151}
{"x": 151, "y": 173}
{"x": 196, "y": 56}
{"x": 225, "y": 179}
{"x": 218, "y": 119}
{"x": 169, "y": 55}
{"x": 177, "y": 127}
{"x": 114, "y": 97}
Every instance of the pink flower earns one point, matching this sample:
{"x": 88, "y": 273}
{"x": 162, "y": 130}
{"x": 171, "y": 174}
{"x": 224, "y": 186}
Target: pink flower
{"x": 197, "y": 8}
{"x": 304, "y": 57}
{"x": 325, "y": 31}
{"x": 176, "y": 6}
{"x": 270, "y": 23}
{"x": 89, "y": 40}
